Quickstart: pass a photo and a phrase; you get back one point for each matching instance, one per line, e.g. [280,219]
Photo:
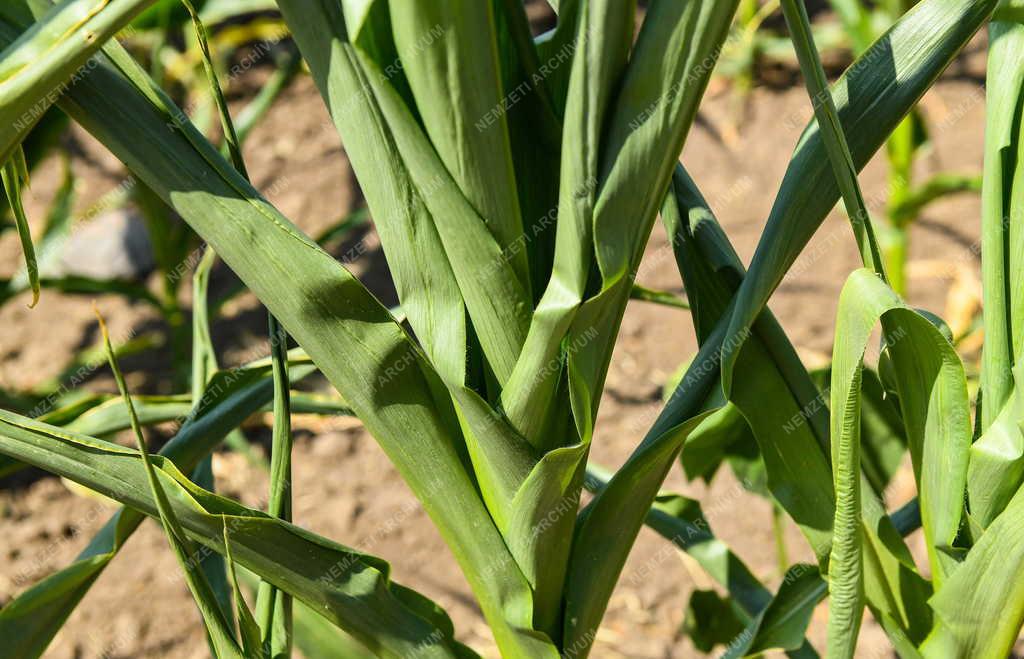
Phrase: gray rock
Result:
[113,245]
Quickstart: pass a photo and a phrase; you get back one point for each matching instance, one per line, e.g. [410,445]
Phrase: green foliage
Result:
[514,184]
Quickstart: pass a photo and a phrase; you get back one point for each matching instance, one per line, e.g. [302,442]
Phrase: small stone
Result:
[114,245]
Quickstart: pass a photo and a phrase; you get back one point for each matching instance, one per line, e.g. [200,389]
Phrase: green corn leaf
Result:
[882,433]
[231,141]
[204,358]
[314,635]
[77,285]
[212,565]
[997,458]
[712,272]
[490,441]
[273,607]
[532,500]
[936,188]
[846,567]
[204,365]
[349,588]
[680,520]
[105,415]
[802,467]
[856,19]
[770,621]
[35,69]
[111,415]
[496,300]
[649,123]
[651,119]
[655,107]
[1009,11]
[495,408]
[639,292]
[535,135]
[556,50]
[618,511]
[727,440]
[517,492]
[101,415]
[543,515]
[272,635]
[846,561]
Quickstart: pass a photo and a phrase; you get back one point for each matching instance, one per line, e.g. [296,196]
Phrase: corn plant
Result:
[514,183]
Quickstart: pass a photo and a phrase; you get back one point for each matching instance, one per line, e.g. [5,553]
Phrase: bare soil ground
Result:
[346,489]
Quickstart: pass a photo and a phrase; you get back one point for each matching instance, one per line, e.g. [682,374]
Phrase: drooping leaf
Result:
[34,70]
[35,616]
[14,175]
[882,433]
[59,220]
[792,431]
[932,391]
[349,588]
